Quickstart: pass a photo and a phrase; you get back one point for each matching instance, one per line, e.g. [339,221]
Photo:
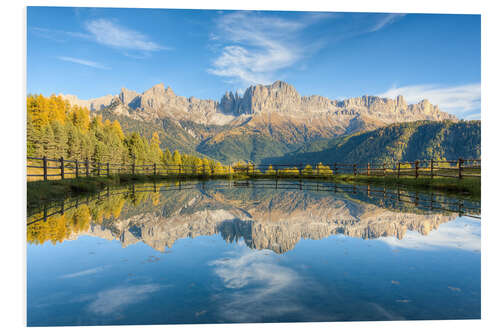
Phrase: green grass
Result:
[41,191]
[469,188]
[466,187]
[45,191]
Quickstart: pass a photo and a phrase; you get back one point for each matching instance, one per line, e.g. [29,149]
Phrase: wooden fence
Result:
[62,168]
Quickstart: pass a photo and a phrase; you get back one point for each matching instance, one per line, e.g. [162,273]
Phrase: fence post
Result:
[62,167]
[98,168]
[416,169]
[154,169]
[460,162]
[107,167]
[354,169]
[335,168]
[44,168]
[133,168]
[399,168]
[87,166]
[179,170]
[432,172]
[368,169]
[76,168]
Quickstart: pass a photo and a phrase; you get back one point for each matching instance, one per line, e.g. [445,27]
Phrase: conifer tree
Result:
[177,162]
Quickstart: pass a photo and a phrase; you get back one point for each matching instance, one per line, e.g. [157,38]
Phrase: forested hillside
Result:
[174,135]
[57,129]
[443,140]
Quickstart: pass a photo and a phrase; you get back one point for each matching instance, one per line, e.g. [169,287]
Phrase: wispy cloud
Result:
[384,20]
[84,272]
[256,46]
[111,34]
[84,62]
[106,32]
[464,234]
[463,100]
[53,35]
[258,287]
[253,47]
[112,300]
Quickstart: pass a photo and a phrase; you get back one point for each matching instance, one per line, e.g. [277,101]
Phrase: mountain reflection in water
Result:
[261,251]
[265,217]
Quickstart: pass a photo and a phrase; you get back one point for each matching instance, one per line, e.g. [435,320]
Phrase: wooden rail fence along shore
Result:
[53,169]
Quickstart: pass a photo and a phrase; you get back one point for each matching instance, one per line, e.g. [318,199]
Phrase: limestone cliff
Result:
[276,222]
[279,97]
[267,121]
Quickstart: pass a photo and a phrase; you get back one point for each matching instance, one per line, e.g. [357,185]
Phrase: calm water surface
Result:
[219,253]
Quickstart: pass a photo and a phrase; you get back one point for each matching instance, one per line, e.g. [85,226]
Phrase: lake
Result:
[248,252]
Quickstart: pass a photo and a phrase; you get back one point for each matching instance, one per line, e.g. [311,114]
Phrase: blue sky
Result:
[91,52]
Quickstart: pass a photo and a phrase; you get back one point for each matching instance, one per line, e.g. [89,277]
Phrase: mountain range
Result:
[267,121]
[263,218]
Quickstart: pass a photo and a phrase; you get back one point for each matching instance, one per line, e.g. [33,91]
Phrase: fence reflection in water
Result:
[382,196]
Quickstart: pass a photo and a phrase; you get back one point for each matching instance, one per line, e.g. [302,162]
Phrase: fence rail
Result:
[62,168]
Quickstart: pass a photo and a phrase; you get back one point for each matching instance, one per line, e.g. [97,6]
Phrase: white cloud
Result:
[463,233]
[84,62]
[105,32]
[111,34]
[84,272]
[257,287]
[253,267]
[53,35]
[115,299]
[252,47]
[257,46]
[384,20]
[462,100]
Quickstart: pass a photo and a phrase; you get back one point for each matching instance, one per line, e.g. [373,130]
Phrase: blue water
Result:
[209,255]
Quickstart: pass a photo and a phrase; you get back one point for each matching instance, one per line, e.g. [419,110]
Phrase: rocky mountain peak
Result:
[228,102]
[169,92]
[279,99]
[401,101]
[127,96]
[281,85]
[157,89]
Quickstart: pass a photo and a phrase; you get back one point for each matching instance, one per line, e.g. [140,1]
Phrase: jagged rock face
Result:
[279,97]
[91,104]
[276,222]
[128,97]
[267,121]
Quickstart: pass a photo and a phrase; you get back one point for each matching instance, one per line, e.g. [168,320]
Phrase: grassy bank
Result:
[44,191]
[465,187]
[468,187]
